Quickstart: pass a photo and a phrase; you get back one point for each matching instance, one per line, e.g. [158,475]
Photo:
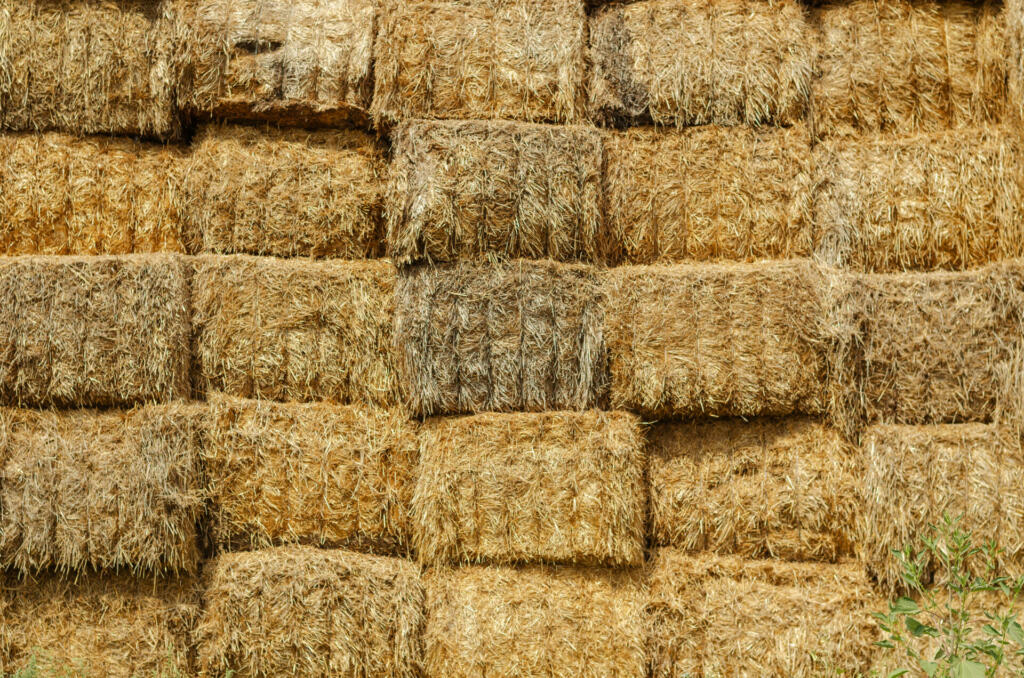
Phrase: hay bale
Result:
[100,490]
[708,193]
[61,194]
[517,336]
[97,625]
[488,59]
[87,67]
[710,615]
[93,331]
[716,339]
[1013,15]
[908,66]
[476,189]
[922,348]
[785,488]
[543,622]
[291,62]
[557,487]
[295,329]
[694,62]
[301,611]
[915,474]
[314,473]
[948,200]
[285,192]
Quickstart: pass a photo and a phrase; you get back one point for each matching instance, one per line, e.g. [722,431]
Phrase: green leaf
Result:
[990,630]
[918,629]
[898,672]
[1016,633]
[904,605]
[885,643]
[929,668]
[965,668]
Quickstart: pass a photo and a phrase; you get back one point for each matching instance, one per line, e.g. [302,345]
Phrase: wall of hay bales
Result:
[499,338]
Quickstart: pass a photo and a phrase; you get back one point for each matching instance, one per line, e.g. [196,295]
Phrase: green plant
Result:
[964,623]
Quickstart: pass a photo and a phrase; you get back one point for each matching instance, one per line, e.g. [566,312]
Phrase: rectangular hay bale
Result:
[312,473]
[94,490]
[479,189]
[700,62]
[947,200]
[302,611]
[519,335]
[285,193]
[908,66]
[699,340]
[87,67]
[708,193]
[555,487]
[782,488]
[480,59]
[711,615]
[93,331]
[915,474]
[97,624]
[291,62]
[292,329]
[539,621]
[62,194]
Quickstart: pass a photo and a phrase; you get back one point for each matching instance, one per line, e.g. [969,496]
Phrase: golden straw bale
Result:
[292,62]
[302,611]
[908,66]
[484,189]
[100,490]
[557,487]
[915,474]
[518,335]
[489,59]
[87,67]
[61,194]
[315,473]
[946,200]
[708,193]
[93,331]
[292,329]
[1009,405]
[700,62]
[710,615]
[922,348]
[285,192]
[785,488]
[716,339]
[539,621]
[1013,15]
[100,624]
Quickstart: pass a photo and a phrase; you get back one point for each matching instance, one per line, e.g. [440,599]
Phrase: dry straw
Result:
[61,194]
[908,66]
[784,488]
[700,62]
[97,625]
[716,339]
[301,611]
[711,615]
[511,59]
[476,189]
[946,200]
[87,66]
[100,490]
[518,335]
[285,192]
[557,487]
[295,329]
[543,622]
[313,473]
[708,193]
[915,474]
[921,348]
[93,331]
[1013,15]
[293,62]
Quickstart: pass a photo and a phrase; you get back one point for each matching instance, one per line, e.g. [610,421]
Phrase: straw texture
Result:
[313,473]
[485,189]
[560,487]
[1013,15]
